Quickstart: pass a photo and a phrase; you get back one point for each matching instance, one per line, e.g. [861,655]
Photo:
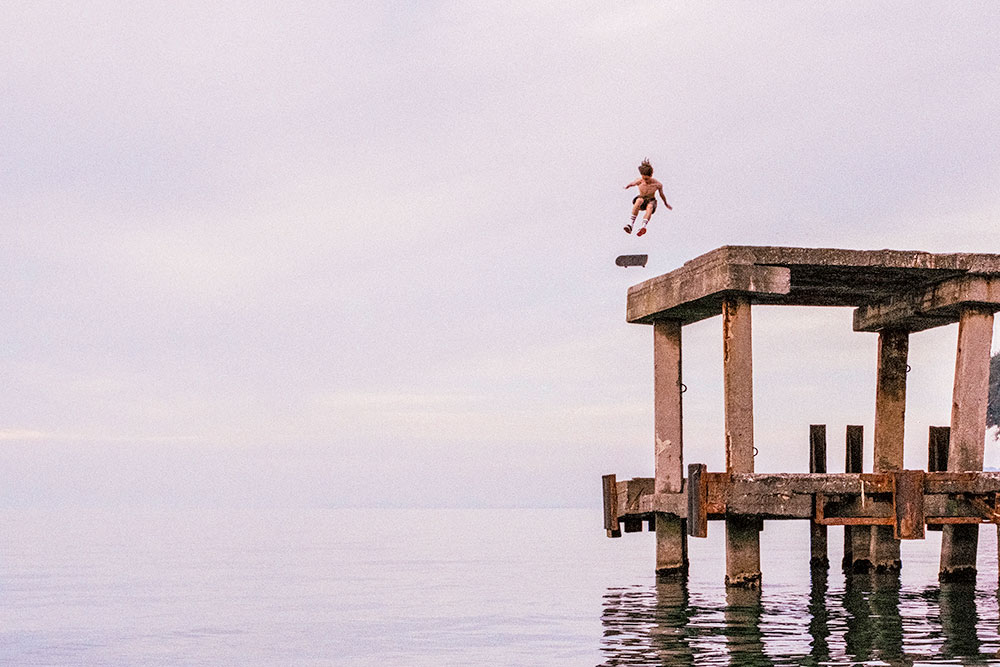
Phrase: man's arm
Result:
[633,184]
[664,198]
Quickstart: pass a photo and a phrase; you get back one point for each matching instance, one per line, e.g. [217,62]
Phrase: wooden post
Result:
[610,488]
[742,532]
[671,533]
[857,539]
[937,455]
[968,433]
[818,557]
[697,500]
[890,410]
[908,504]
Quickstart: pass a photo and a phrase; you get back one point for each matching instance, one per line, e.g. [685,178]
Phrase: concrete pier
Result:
[895,294]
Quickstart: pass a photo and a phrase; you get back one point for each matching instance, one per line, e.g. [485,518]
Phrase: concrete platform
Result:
[909,290]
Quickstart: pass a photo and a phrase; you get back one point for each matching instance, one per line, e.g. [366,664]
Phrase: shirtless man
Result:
[646,200]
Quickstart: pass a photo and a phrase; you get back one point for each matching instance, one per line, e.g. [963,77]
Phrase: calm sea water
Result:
[448,587]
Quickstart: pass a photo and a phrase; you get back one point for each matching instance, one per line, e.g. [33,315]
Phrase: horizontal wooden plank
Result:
[964,497]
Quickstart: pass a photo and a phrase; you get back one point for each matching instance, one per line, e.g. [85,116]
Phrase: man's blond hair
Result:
[645,168]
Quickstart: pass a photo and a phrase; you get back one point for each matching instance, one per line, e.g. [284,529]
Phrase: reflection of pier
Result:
[870,619]
[894,293]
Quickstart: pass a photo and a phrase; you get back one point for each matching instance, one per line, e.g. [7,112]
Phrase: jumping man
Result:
[646,200]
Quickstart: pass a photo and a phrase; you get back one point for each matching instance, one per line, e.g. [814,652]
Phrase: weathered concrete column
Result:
[742,532]
[890,411]
[671,533]
[968,432]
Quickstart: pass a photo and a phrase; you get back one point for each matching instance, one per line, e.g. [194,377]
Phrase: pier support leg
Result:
[671,533]
[818,556]
[742,532]
[890,411]
[857,539]
[968,433]
[937,456]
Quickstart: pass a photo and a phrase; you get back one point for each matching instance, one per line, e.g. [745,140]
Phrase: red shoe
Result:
[641,232]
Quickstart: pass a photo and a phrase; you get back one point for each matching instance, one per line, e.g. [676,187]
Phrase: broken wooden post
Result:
[908,504]
[890,409]
[857,539]
[742,532]
[818,556]
[611,505]
[697,500]
[937,455]
[671,536]
[968,432]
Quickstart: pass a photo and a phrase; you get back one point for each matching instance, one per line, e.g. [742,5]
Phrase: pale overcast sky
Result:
[356,254]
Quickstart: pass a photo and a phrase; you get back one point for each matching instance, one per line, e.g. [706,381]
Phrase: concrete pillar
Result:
[671,533]
[968,433]
[890,410]
[742,532]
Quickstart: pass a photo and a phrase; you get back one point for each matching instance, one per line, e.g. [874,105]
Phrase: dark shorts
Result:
[646,201]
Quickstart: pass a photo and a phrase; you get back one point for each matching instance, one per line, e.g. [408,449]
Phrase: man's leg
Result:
[635,211]
[650,207]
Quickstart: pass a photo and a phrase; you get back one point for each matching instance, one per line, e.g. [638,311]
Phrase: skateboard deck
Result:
[631,260]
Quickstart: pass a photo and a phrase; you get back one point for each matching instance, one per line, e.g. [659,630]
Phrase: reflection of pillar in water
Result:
[886,619]
[819,616]
[957,603]
[859,636]
[743,635]
[671,633]
[640,621]
[874,624]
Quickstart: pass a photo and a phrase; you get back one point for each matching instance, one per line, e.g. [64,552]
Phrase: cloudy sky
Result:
[361,254]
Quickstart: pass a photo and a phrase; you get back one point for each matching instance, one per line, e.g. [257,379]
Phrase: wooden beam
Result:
[611,506]
[840,499]
[938,438]
[968,432]
[932,306]
[937,455]
[818,553]
[908,504]
[857,540]
[697,500]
